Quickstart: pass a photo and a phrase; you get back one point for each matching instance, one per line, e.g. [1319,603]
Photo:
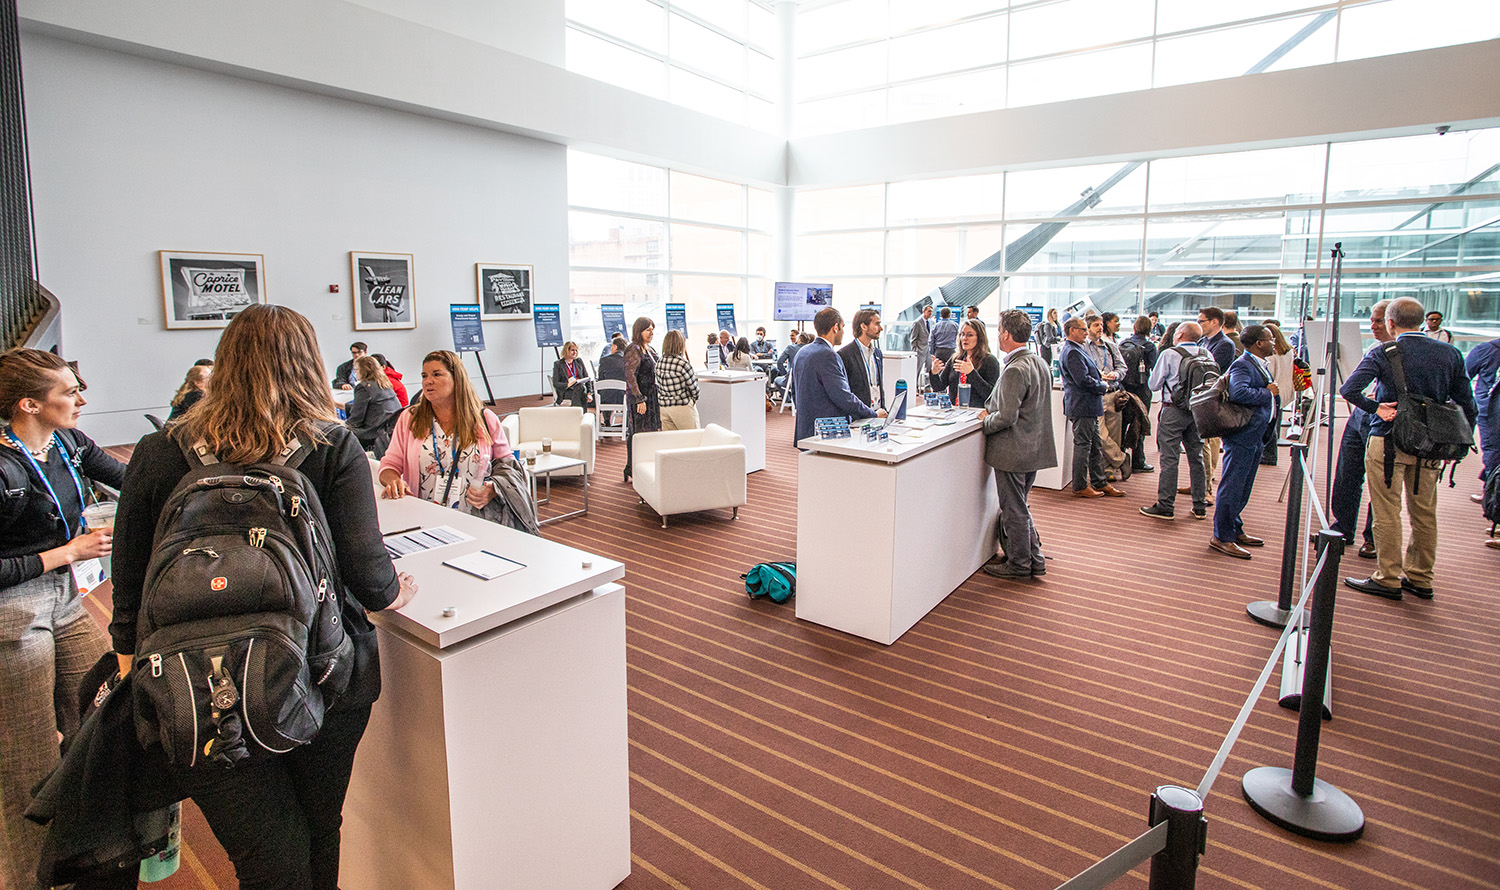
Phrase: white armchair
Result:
[570,429]
[683,471]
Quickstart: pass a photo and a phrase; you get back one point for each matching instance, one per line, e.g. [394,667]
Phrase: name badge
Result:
[87,574]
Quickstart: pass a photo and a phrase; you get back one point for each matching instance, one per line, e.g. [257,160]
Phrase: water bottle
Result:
[163,865]
[901,391]
[963,390]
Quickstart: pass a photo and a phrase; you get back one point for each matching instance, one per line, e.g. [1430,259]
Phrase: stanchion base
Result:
[1268,613]
[1328,814]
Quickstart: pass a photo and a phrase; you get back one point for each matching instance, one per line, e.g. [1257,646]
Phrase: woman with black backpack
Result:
[276,814]
[47,641]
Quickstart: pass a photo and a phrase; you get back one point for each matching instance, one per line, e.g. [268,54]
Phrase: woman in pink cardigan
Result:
[443,445]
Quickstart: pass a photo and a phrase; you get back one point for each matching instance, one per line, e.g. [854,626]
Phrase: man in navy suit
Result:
[1433,369]
[819,386]
[1249,384]
[862,359]
[1083,404]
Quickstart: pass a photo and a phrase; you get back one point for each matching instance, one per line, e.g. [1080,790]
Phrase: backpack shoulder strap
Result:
[1393,355]
[198,454]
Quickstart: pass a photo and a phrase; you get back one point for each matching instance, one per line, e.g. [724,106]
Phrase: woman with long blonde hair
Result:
[277,815]
[443,446]
[194,385]
[373,407]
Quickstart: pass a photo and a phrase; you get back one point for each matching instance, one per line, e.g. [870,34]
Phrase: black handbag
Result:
[1215,415]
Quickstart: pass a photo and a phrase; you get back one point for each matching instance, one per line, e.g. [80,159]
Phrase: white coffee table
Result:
[547,463]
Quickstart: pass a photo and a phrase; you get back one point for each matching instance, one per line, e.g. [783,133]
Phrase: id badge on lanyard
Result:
[87,573]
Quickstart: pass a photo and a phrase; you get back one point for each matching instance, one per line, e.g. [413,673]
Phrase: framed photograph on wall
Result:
[206,290]
[505,291]
[383,291]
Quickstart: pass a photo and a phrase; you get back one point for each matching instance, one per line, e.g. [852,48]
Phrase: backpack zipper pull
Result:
[156,665]
[257,537]
[209,550]
[296,504]
[322,589]
[276,483]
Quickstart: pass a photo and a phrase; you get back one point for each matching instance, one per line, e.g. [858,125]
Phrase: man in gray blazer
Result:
[920,339]
[1018,443]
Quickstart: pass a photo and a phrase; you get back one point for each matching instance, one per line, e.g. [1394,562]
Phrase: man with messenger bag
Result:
[1424,414]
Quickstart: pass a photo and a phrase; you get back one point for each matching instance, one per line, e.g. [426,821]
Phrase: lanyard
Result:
[572,372]
[77,483]
[437,455]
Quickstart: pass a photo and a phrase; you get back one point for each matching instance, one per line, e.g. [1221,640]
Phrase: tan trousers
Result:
[679,417]
[1417,485]
[1211,462]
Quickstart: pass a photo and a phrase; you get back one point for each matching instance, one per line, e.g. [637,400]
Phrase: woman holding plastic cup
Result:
[47,641]
[972,365]
[443,445]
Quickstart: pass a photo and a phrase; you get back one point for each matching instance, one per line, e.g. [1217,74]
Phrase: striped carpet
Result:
[1013,737]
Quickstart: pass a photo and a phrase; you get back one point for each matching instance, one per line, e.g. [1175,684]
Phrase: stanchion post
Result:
[1296,799]
[1315,674]
[1176,866]
[1275,614]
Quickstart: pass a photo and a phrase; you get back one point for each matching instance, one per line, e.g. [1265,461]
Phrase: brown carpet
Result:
[1013,736]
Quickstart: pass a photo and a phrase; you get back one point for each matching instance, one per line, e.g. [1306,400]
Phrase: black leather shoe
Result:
[1373,587]
[1004,570]
[1423,592]
[1367,550]
[1038,569]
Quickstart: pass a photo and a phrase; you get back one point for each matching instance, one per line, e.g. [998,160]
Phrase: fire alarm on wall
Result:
[333,288]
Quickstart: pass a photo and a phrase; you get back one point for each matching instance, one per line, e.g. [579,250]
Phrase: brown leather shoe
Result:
[1111,491]
[1185,490]
[1228,548]
[1367,550]
[1088,492]
[1249,541]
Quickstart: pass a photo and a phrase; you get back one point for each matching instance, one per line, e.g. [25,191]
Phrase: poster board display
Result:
[383,290]
[505,290]
[468,330]
[725,313]
[796,301]
[614,320]
[206,290]
[677,317]
[546,318]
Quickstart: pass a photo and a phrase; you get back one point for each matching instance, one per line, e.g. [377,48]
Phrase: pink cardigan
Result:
[405,448]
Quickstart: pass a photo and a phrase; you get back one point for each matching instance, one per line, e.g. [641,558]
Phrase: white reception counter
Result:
[496,756]
[736,401]
[868,562]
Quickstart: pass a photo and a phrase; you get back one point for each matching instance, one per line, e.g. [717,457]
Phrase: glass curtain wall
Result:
[715,56]
[645,236]
[863,63]
[1251,231]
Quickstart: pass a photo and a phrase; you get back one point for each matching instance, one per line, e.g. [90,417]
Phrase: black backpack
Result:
[1197,372]
[1135,359]
[239,638]
[1426,428]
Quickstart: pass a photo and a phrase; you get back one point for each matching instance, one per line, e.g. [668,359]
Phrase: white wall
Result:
[130,156]
[532,28]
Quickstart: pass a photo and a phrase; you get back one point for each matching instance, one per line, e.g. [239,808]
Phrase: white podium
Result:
[497,755]
[736,400]
[1060,476]
[868,562]
[897,366]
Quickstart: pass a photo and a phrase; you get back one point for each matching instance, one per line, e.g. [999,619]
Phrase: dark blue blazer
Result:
[1248,385]
[1083,387]
[854,371]
[1433,368]
[821,389]
[1221,348]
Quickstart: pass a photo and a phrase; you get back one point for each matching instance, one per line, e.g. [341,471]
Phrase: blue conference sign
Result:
[614,320]
[1034,311]
[468,333]
[547,319]
[677,317]
[726,318]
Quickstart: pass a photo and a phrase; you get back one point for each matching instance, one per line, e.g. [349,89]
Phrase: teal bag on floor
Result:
[776,581]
